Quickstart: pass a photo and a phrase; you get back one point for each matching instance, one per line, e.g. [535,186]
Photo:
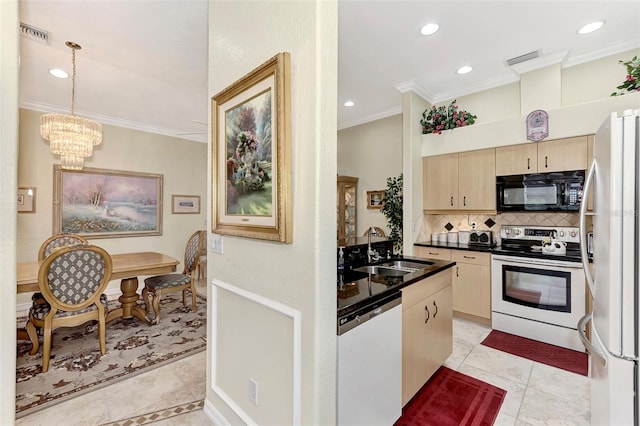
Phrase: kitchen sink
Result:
[382,270]
[407,265]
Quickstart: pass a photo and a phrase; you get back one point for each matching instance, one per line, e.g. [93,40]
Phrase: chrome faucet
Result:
[372,255]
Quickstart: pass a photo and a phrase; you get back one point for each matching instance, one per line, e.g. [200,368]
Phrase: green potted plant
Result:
[439,118]
[392,210]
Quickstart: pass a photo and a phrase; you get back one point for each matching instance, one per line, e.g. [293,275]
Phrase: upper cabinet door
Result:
[517,159]
[562,155]
[440,182]
[477,180]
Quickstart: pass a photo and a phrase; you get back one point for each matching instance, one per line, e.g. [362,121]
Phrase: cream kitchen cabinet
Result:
[462,181]
[427,330]
[472,284]
[432,252]
[542,157]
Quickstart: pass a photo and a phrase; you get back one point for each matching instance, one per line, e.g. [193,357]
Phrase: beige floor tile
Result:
[469,331]
[543,408]
[461,349]
[195,418]
[573,387]
[87,409]
[500,363]
[504,420]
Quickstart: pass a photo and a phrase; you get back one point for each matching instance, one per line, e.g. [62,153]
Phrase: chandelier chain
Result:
[73,80]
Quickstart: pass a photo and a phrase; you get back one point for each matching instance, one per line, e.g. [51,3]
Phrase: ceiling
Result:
[143,64]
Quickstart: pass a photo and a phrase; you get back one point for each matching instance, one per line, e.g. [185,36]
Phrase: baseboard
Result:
[212,413]
[474,318]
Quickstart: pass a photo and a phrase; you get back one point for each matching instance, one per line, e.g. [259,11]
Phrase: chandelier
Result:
[70,136]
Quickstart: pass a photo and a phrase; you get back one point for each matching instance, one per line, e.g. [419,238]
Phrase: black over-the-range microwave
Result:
[559,191]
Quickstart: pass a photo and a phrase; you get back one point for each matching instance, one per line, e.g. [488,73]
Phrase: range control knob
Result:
[574,233]
[517,231]
[562,233]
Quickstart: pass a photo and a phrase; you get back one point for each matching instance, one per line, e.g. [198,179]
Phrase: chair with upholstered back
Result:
[378,232]
[58,240]
[72,281]
[156,286]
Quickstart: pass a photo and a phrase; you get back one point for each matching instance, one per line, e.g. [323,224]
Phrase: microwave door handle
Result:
[583,227]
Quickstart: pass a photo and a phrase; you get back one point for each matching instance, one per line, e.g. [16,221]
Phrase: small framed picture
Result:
[375,199]
[26,199]
[185,204]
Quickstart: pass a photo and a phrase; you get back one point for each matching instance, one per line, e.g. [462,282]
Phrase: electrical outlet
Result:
[253,391]
[216,243]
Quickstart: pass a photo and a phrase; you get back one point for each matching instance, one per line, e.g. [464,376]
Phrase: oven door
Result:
[543,290]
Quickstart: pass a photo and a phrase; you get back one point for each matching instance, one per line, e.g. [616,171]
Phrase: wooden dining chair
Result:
[72,282]
[56,241]
[156,286]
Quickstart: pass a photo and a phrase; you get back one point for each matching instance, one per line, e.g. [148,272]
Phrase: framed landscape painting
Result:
[97,203]
[251,193]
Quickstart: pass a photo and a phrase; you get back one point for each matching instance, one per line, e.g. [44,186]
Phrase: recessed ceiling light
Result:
[465,69]
[591,27]
[349,103]
[57,72]
[429,29]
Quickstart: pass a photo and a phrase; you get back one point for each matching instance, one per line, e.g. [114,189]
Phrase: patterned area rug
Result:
[133,347]
[451,398]
[544,353]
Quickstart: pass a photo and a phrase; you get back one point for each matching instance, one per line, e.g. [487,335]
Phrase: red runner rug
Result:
[555,356]
[451,398]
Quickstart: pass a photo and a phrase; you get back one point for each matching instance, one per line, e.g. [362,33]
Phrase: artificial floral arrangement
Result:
[632,81]
[436,119]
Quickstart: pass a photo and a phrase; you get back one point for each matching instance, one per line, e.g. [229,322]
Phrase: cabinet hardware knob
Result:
[436,306]
[426,308]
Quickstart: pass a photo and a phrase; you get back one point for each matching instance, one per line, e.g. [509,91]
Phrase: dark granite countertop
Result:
[457,246]
[359,289]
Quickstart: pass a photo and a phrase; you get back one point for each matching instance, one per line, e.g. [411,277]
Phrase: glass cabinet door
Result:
[347,193]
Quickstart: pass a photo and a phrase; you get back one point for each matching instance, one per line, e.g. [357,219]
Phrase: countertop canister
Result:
[452,237]
[463,237]
[442,237]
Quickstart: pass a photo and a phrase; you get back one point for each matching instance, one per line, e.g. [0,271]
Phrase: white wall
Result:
[182,163]
[280,286]
[371,152]
[9,35]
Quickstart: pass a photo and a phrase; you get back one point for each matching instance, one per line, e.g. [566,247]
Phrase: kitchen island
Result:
[396,312]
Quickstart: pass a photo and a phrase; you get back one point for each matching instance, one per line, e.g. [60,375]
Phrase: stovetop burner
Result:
[527,241]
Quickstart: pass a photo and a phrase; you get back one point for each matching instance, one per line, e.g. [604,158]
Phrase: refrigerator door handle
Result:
[583,231]
[591,348]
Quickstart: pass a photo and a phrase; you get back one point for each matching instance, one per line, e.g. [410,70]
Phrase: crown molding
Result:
[598,54]
[372,117]
[414,86]
[112,121]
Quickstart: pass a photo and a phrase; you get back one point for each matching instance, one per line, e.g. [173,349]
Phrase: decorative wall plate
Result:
[537,125]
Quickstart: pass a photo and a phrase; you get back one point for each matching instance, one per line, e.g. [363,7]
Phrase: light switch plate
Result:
[216,243]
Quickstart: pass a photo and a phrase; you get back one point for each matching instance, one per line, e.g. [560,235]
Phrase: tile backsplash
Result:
[438,222]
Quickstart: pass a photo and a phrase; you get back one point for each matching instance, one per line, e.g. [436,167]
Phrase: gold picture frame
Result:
[101,203]
[375,199]
[185,204]
[26,199]
[251,158]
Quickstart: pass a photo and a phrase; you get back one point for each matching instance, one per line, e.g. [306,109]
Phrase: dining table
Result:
[126,267]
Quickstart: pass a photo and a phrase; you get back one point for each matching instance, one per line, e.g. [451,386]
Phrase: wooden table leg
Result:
[128,302]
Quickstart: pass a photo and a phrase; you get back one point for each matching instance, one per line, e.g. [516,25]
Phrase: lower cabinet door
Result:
[427,340]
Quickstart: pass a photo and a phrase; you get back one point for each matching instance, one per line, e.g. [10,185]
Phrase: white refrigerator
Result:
[614,178]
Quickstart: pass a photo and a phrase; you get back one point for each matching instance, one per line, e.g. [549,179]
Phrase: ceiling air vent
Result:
[34,33]
[523,58]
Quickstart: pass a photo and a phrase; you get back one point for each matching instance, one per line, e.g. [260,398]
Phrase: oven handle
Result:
[536,261]
[590,347]
[583,226]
